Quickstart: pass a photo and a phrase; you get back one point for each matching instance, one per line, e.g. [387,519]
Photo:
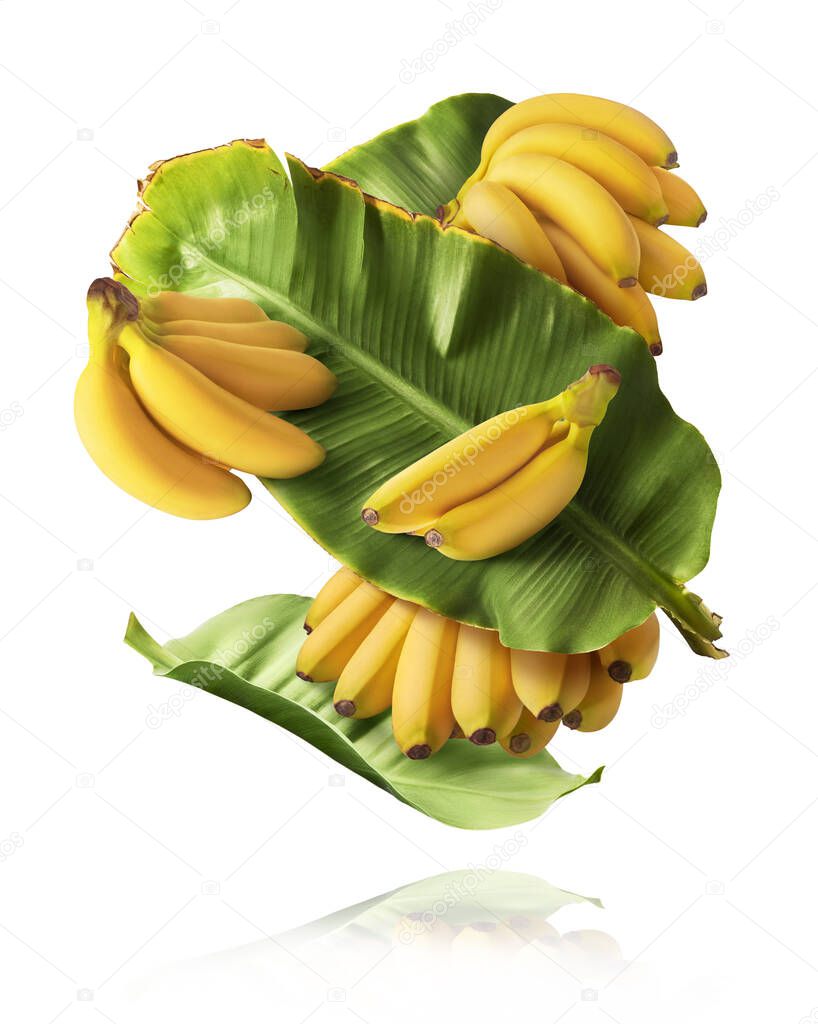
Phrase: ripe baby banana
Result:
[617,168]
[422,718]
[327,649]
[484,703]
[683,203]
[628,307]
[118,435]
[528,500]
[495,212]
[364,687]
[529,736]
[599,705]
[666,268]
[549,685]
[580,205]
[210,420]
[339,586]
[263,333]
[184,306]
[633,655]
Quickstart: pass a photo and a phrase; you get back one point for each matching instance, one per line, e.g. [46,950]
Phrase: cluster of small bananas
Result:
[176,393]
[578,186]
[445,680]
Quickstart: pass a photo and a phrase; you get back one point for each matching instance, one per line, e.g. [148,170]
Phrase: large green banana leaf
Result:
[429,332]
[247,655]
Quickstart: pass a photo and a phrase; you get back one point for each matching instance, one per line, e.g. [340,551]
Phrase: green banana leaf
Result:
[247,655]
[430,332]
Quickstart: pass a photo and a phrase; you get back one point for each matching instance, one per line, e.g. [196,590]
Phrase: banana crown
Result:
[586,400]
[110,307]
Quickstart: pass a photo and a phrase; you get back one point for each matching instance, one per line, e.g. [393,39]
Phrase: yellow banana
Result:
[121,439]
[628,307]
[206,418]
[337,587]
[484,703]
[549,685]
[617,168]
[683,203]
[327,649]
[184,306]
[620,122]
[633,655]
[494,212]
[599,705]
[365,685]
[580,205]
[666,268]
[262,333]
[422,718]
[269,378]
[461,469]
[529,736]
[531,498]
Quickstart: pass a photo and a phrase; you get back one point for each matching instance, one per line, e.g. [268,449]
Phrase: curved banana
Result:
[269,378]
[617,168]
[529,736]
[633,655]
[494,212]
[461,468]
[184,306]
[365,685]
[683,203]
[338,586]
[484,703]
[549,685]
[327,649]
[666,268]
[206,418]
[617,120]
[628,307]
[262,333]
[121,439]
[422,718]
[580,205]
[599,705]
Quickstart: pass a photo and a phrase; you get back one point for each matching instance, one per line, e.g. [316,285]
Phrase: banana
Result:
[268,378]
[666,268]
[461,469]
[633,655]
[206,418]
[121,439]
[683,203]
[494,212]
[549,685]
[262,333]
[620,122]
[531,498]
[599,705]
[327,649]
[618,169]
[628,307]
[422,718]
[529,736]
[183,306]
[580,205]
[365,685]
[484,703]
[337,587]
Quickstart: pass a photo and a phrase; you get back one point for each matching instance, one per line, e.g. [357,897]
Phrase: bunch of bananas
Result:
[499,483]
[176,393]
[578,187]
[444,679]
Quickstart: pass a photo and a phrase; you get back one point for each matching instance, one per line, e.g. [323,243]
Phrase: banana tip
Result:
[573,719]
[520,743]
[345,708]
[627,282]
[603,369]
[699,291]
[419,752]
[307,628]
[483,737]
[304,676]
[620,671]
[370,516]
[656,348]
[662,220]
[701,219]
[550,713]
[672,160]
[434,538]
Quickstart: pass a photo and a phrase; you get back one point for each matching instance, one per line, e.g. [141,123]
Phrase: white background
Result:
[131,852]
